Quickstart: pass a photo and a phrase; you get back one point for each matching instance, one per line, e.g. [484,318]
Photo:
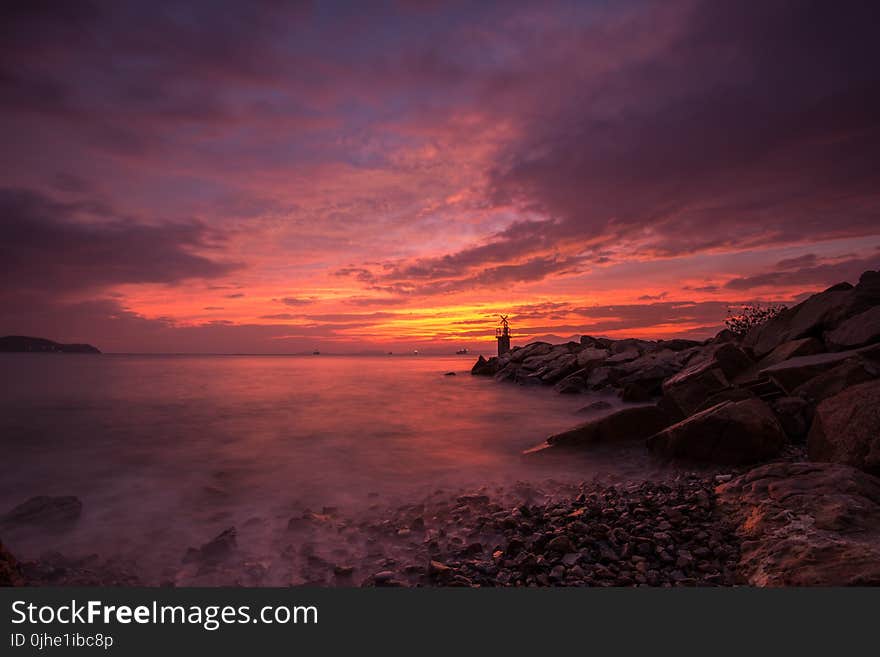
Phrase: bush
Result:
[748,317]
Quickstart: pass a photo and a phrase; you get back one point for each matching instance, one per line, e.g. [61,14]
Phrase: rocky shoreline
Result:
[808,379]
[653,533]
[783,422]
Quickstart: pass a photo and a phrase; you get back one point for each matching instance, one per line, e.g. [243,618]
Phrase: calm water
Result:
[164,451]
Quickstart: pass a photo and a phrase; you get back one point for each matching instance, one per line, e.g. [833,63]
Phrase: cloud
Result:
[54,247]
[280,316]
[297,301]
[463,154]
[737,126]
[821,273]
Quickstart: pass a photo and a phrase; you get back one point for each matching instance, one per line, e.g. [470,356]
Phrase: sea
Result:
[165,451]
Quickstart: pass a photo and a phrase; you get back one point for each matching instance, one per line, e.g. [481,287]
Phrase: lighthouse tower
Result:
[502,334]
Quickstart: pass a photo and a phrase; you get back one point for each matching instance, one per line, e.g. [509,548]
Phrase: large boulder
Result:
[600,377]
[507,372]
[692,386]
[598,343]
[794,372]
[731,359]
[591,357]
[559,368]
[531,349]
[536,362]
[850,372]
[624,356]
[628,424]
[678,344]
[732,432]
[856,331]
[846,428]
[650,370]
[43,512]
[792,349]
[485,367]
[806,524]
[809,318]
[818,315]
[574,383]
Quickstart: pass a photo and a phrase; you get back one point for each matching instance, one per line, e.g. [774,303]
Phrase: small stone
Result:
[438,568]
[560,544]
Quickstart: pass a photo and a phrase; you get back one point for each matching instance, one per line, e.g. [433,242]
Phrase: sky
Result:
[278,177]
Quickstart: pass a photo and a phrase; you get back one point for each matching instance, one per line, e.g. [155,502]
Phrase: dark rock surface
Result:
[732,432]
[628,424]
[846,428]
[806,524]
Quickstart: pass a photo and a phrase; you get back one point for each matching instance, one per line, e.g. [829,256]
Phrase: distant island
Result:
[24,344]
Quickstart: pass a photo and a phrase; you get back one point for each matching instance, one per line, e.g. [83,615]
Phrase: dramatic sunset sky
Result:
[278,177]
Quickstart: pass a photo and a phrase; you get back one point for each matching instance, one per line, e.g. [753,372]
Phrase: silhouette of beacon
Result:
[502,334]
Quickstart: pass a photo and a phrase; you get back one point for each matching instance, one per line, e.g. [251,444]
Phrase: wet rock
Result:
[449,374]
[43,512]
[846,428]
[591,356]
[624,356]
[729,433]
[599,378]
[559,368]
[573,384]
[806,524]
[688,389]
[485,367]
[628,424]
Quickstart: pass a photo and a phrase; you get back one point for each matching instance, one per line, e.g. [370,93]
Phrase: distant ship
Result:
[462,352]
[316,353]
[415,352]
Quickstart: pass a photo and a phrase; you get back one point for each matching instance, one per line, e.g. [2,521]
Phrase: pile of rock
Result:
[649,534]
[808,375]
